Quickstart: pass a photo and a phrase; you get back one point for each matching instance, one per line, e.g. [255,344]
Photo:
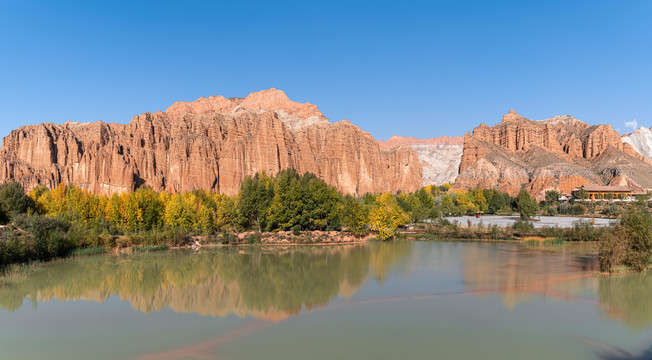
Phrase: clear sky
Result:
[409,68]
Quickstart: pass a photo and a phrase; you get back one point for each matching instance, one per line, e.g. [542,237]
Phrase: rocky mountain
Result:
[560,153]
[440,157]
[641,141]
[211,143]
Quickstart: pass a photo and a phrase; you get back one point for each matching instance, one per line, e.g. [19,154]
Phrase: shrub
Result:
[637,228]
[564,208]
[253,238]
[83,236]
[611,210]
[523,227]
[578,209]
[611,250]
[50,238]
[494,231]
[15,249]
[444,222]
[13,201]
[550,232]
[551,210]
[629,243]
[583,231]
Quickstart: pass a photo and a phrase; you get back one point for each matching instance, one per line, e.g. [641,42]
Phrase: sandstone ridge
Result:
[559,153]
[211,143]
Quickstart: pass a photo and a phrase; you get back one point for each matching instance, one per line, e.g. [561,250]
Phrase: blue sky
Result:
[409,68]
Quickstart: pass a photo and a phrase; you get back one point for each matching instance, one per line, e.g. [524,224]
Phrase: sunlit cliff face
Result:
[560,153]
[212,144]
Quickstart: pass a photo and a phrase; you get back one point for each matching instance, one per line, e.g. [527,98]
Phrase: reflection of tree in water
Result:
[629,297]
[264,282]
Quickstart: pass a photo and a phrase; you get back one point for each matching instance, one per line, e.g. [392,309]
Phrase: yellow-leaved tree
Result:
[386,216]
[480,200]
[53,201]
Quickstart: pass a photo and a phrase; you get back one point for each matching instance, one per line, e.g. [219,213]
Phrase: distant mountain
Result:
[641,141]
[440,157]
[560,153]
[211,143]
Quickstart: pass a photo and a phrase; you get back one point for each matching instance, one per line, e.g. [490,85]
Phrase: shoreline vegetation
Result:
[289,208]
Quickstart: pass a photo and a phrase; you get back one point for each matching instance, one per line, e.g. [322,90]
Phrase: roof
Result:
[605,188]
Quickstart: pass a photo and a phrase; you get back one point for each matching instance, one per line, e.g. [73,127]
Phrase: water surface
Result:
[416,300]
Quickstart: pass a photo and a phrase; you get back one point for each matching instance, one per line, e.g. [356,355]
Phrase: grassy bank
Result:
[35,239]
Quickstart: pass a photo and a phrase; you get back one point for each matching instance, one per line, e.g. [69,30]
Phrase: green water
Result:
[410,300]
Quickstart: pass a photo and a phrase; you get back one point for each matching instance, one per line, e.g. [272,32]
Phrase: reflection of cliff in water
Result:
[518,273]
[263,282]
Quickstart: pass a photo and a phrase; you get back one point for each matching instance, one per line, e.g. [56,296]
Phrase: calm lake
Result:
[402,300]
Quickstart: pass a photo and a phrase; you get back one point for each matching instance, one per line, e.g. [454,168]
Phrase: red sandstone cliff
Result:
[560,153]
[211,143]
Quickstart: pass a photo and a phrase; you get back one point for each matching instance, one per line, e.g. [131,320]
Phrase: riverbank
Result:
[242,238]
[445,229]
[42,238]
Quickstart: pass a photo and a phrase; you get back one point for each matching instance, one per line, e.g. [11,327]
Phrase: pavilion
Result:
[594,192]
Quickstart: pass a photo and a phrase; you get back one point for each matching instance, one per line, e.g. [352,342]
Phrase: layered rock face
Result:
[211,143]
[560,153]
[641,141]
[440,157]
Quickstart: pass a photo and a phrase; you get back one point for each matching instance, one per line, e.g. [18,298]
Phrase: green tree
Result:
[581,194]
[14,201]
[225,218]
[355,216]
[151,207]
[526,205]
[323,204]
[287,206]
[552,196]
[255,196]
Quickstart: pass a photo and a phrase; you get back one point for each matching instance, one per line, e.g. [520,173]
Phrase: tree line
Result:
[47,223]
[281,202]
